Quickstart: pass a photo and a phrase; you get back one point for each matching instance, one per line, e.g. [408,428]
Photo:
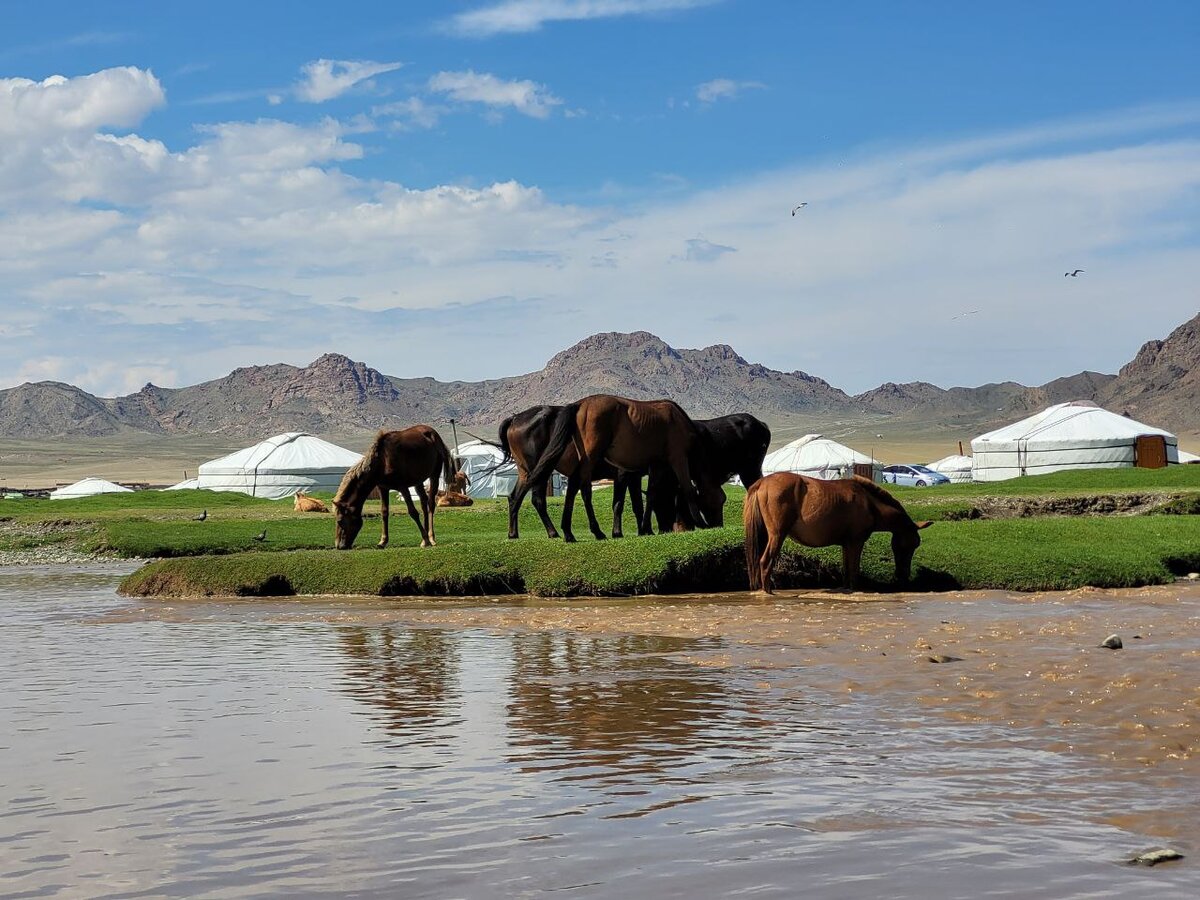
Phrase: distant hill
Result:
[336,395]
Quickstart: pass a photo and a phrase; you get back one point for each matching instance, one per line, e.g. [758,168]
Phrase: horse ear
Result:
[921,525]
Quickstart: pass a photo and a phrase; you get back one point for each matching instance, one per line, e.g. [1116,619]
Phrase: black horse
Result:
[522,439]
[725,446]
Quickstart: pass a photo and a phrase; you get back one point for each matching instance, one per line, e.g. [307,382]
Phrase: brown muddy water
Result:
[698,747]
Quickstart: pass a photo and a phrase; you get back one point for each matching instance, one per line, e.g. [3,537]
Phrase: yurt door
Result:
[866,470]
[1150,452]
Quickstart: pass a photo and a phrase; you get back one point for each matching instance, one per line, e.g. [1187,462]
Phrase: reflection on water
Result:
[643,749]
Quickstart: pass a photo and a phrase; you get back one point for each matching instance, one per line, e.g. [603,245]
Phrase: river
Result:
[669,747]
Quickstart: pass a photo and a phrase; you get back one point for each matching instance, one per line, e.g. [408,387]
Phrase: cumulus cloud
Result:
[724,89]
[516,16]
[243,245]
[526,97]
[114,98]
[325,79]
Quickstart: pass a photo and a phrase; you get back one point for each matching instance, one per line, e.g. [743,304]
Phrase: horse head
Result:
[905,542]
[348,523]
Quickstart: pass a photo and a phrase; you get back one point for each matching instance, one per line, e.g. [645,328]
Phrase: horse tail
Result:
[445,464]
[504,448]
[756,536]
[560,435]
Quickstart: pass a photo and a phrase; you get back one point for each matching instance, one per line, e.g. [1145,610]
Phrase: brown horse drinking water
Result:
[820,513]
[397,460]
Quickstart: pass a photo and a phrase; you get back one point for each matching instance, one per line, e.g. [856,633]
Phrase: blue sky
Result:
[234,184]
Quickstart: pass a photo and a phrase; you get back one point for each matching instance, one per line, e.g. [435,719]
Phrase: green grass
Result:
[474,556]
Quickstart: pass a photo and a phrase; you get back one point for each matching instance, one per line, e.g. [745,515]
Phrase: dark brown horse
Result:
[727,445]
[397,460]
[522,439]
[820,513]
[630,435]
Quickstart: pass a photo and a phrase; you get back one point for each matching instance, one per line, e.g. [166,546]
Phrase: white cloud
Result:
[724,89]
[516,16]
[526,97]
[325,79]
[115,98]
[410,114]
[242,247]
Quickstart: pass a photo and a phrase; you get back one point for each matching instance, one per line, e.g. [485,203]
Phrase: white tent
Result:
[488,474]
[1077,435]
[280,466]
[955,467]
[818,457]
[190,485]
[1185,457]
[89,487]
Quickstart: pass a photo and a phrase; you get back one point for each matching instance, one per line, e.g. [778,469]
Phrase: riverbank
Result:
[1118,528]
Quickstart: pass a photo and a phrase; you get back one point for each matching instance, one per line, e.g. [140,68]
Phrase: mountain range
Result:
[336,395]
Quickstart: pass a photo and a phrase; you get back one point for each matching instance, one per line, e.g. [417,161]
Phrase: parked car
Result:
[920,476]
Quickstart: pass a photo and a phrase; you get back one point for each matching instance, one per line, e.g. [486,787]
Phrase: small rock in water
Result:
[1193,576]
[1112,642]
[1154,857]
[940,658]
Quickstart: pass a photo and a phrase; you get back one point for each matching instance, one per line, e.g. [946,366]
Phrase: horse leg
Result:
[538,498]
[427,503]
[384,498]
[412,512]
[585,490]
[851,558]
[568,506]
[635,500]
[679,465]
[770,556]
[514,504]
[618,503]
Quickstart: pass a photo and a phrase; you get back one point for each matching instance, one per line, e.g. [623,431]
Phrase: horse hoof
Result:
[601,537]
[569,539]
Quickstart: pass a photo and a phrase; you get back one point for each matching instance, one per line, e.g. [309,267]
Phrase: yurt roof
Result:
[290,452]
[1067,422]
[88,487]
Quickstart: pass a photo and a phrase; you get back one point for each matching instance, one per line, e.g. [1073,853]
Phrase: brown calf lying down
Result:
[453,498]
[303,503]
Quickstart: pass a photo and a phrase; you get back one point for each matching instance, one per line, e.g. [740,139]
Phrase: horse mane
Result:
[363,467]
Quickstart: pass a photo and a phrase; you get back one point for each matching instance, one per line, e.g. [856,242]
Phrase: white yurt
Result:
[819,457]
[955,467]
[279,466]
[88,487]
[190,484]
[1076,435]
[487,472]
[1185,457]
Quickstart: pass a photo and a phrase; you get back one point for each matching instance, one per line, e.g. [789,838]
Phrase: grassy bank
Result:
[965,549]
[1015,554]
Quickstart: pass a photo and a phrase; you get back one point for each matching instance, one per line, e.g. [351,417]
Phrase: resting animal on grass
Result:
[454,498]
[820,513]
[304,503]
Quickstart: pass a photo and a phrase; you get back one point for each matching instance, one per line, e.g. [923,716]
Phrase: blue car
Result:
[918,476]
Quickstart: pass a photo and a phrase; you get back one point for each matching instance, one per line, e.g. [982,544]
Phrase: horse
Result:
[522,438]
[820,513]
[630,435]
[728,445]
[458,484]
[396,460]
[301,502]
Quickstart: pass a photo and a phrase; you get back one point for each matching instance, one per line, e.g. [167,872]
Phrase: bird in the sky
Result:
[201,517]
[801,206]
[1074,274]
[261,536]
[968,313]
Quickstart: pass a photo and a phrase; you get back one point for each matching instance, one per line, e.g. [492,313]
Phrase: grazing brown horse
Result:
[820,513]
[397,460]
[301,502]
[631,436]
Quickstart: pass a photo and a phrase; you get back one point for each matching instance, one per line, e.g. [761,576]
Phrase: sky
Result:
[462,189]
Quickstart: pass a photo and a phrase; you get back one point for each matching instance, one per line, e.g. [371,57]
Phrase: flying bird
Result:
[1074,274]
[261,536]
[801,206]
[961,315]
[201,517]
